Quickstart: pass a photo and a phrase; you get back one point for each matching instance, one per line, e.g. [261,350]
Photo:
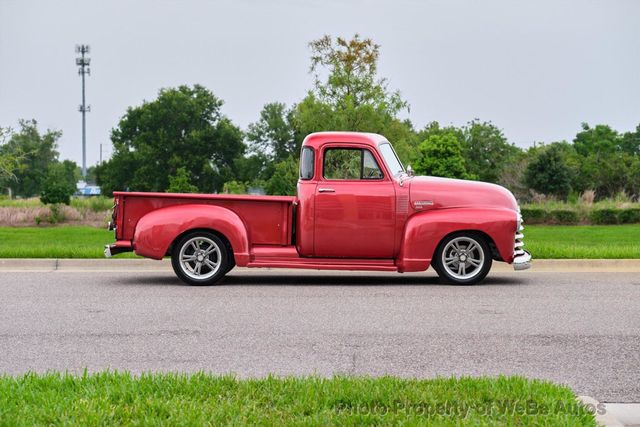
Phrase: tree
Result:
[441,155]
[633,183]
[8,161]
[31,154]
[512,176]
[486,151]
[234,187]
[600,140]
[548,172]
[254,167]
[274,135]
[180,182]
[606,160]
[284,179]
[349,95]
[91,174]
[631,142]
[607,174]
[351,81]
[183,127]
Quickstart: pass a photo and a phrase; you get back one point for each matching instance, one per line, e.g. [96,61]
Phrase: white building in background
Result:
[84,189]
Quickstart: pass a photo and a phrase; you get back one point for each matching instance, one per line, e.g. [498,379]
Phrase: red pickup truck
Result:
[356,208]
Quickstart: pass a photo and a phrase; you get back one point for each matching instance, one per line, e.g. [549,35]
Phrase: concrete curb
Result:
[70,265]
[627,414]
[577,265]
[127,264]
[603,416]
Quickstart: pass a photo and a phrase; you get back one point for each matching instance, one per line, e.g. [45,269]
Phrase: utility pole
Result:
[83,68]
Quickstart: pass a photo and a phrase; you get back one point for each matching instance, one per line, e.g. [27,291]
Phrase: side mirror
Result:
[410,171]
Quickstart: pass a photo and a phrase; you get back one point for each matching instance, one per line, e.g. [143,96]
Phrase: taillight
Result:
[114,216]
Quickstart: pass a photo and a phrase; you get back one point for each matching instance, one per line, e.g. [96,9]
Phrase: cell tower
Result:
[83,69]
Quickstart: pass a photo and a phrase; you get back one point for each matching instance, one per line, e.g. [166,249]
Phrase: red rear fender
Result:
[158,229]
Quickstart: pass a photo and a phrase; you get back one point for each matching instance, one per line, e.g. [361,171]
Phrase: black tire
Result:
[213,265]
[232,262]
[480,253]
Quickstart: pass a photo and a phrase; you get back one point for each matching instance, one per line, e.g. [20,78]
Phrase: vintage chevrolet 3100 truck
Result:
[356,208]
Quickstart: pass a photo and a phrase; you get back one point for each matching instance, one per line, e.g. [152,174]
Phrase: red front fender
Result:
[424,231]
[158,229]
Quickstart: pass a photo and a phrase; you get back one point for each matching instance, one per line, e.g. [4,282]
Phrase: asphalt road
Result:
[582,330]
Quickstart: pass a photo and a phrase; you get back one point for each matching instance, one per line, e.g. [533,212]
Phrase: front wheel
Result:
[462,259]
[200,258]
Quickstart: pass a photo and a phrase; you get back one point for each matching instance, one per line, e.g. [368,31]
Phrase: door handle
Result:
[326,190]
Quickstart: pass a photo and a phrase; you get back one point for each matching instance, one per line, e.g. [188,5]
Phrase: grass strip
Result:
[112,398]
[544,241]
[583,241]
[55,242]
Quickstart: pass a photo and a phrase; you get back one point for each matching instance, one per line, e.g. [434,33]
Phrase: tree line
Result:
[30,164]
[181,141]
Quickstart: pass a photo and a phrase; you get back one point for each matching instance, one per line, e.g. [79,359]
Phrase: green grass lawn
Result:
[583,241]
[544,241]
[55,242]
[200,399]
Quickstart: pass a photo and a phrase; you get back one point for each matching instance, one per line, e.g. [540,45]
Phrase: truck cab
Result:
[347,198]
[356,208]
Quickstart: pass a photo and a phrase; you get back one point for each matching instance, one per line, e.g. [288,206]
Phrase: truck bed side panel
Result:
[267,218]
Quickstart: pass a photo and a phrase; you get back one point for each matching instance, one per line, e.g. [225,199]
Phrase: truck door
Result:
[354,205]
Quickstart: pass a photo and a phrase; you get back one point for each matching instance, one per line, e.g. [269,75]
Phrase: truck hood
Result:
[428,192]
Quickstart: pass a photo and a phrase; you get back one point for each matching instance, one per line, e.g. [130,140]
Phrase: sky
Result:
[536,69]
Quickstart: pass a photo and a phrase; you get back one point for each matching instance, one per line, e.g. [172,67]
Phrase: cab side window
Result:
[350,164]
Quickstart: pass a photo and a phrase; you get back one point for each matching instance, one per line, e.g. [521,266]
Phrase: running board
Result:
[287,257]
[321,264]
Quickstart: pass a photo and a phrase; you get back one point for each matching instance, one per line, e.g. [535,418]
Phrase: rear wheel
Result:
[462,259]
[200,258]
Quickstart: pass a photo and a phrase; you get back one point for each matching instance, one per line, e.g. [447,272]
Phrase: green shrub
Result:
[629,216]
[58,186]
[534,215]
[604,216]
[564,216]
[54,193]
[56,214]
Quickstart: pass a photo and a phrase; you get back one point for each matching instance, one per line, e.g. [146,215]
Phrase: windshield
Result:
[391,159]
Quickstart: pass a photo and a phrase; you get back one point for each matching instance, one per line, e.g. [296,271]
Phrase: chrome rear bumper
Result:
[118,247]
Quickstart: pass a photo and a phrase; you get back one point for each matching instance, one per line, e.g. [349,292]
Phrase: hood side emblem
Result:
[419,204]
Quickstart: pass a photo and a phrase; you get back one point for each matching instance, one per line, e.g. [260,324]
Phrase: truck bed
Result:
[268,219]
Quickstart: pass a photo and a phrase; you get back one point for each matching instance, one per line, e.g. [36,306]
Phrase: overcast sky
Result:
[537,69]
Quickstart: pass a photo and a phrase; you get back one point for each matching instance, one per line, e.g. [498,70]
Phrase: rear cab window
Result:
[307,163]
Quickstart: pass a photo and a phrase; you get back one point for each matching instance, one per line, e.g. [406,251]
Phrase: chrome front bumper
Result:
[522,261]
[521,258]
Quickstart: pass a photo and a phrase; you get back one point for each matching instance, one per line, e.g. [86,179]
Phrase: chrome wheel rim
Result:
[200,258]
[463,258]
